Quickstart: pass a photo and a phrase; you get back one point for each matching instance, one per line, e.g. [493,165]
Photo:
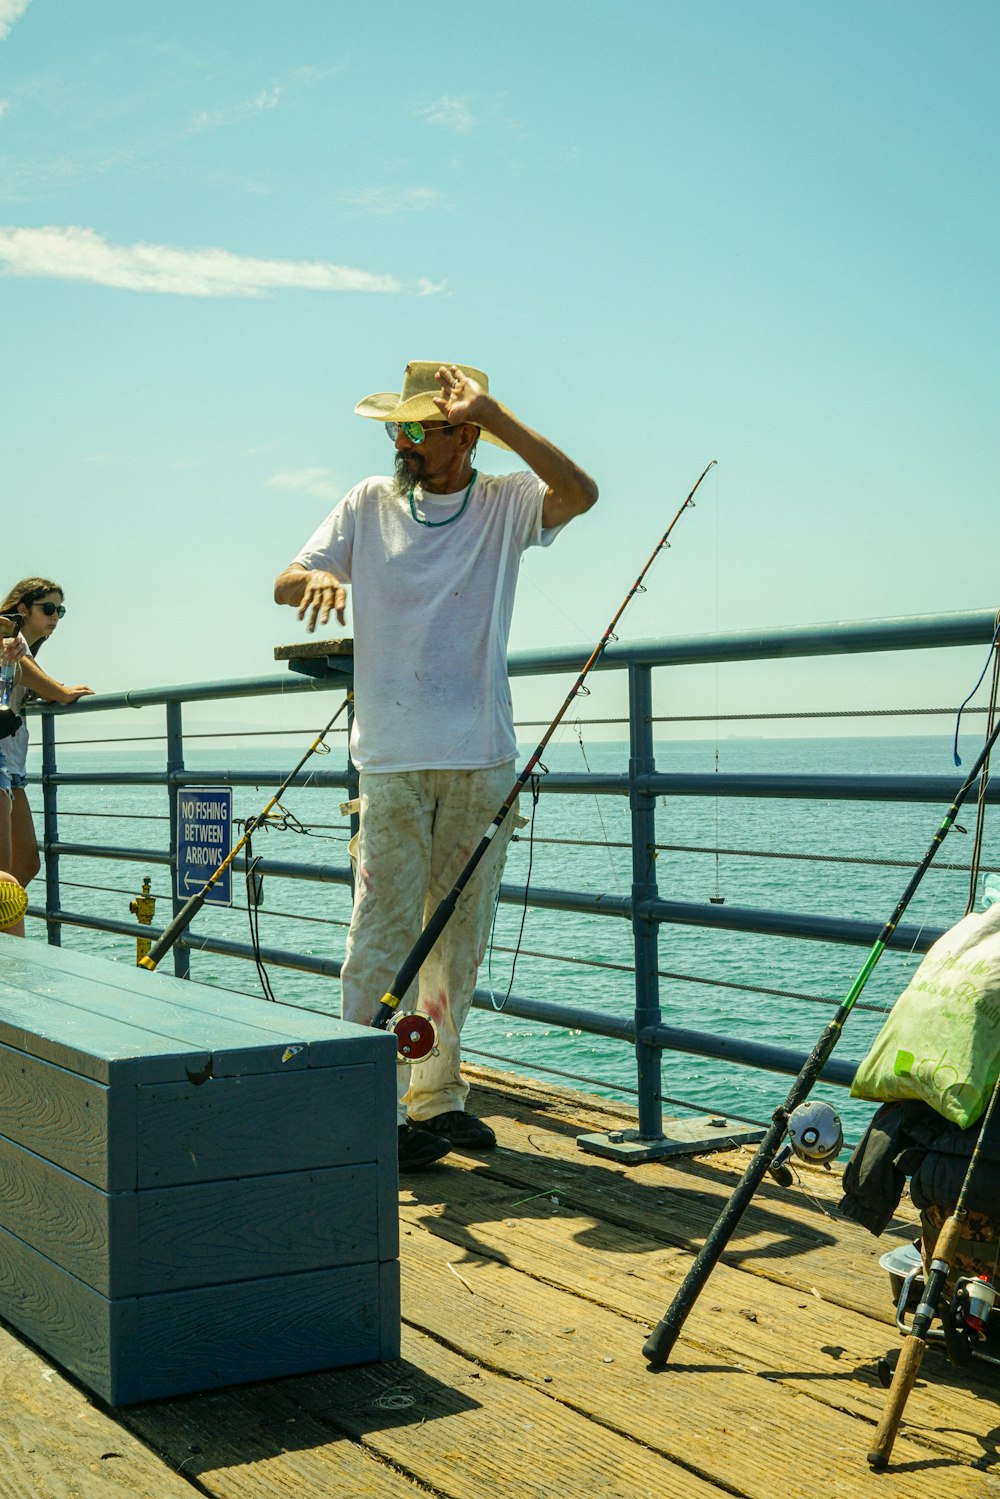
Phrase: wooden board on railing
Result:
[326,660]
[309,650]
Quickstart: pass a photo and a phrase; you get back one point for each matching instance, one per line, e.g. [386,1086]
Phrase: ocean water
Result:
[712,981]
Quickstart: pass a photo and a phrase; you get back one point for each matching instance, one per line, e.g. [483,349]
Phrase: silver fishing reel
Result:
[815,1132]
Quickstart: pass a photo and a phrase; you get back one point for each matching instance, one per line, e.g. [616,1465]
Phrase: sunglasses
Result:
[48,608]
[416,431]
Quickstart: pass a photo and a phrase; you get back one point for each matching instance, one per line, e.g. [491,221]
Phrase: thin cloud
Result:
[70,253]
[448,113]
[212,119]
[4,106]
[11,11]
[317,481]
[383,200]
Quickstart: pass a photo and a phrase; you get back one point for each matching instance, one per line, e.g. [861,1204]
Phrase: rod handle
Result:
[386,1012]
[170,934]
[660,1343]
[903,1380]
[948,1243]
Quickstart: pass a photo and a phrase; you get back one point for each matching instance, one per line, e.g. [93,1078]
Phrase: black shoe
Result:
[419,1148]
[462,1130]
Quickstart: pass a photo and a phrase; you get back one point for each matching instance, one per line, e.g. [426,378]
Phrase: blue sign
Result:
[204,840]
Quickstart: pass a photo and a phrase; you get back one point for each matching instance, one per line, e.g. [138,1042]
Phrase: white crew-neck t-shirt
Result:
[432,606]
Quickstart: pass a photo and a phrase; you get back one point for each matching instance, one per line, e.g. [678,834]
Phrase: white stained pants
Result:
[418,830]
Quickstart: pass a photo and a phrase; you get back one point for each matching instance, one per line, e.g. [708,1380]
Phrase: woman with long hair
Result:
[38,604]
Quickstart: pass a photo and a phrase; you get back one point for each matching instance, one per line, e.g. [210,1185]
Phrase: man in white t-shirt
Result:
[433,555]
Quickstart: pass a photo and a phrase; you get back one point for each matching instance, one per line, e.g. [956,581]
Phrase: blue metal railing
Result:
[641,784]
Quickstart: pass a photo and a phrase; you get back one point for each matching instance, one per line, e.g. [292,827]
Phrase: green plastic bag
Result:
[941,1042]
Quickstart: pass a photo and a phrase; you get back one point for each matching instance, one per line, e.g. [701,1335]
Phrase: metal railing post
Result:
[175,764]
[683,1137]
[353,783]
[642,807]
[50,828]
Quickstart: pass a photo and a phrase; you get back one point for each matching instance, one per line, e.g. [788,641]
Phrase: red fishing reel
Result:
[416,1037]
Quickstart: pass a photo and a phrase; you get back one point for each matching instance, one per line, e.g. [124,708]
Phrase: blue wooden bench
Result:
[196,1189]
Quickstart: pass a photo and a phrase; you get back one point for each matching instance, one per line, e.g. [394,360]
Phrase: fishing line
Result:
[526,577]
[535,790]
[718,899]
[536,786]
[254,889]
[976,856]
[287,822]
[597,803]
[254,884]
[165,941]
[967,701]
[421,1036]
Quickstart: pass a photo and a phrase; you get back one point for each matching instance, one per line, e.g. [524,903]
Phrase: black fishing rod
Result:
[664,1335]
[190,909]
[915,1346]
[419,1029]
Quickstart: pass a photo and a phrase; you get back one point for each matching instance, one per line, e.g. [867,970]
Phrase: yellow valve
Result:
[142,909]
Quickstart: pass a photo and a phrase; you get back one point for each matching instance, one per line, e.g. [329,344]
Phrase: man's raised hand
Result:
[461,398]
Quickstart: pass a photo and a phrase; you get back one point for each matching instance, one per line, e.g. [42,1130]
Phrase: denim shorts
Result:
[10,780]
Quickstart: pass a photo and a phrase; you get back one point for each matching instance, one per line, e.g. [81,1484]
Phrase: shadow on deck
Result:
[530,1279]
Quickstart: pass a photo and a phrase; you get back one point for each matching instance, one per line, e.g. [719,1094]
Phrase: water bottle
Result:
[991,891]
[8,676]
[9,626]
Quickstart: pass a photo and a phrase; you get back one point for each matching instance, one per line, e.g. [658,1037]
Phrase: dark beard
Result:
[408,474]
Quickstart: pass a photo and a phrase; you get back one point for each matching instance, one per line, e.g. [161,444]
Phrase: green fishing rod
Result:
[661,1340]
[415,1032]
[190,908]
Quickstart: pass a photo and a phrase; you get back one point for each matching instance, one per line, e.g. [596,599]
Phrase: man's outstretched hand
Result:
[322,596]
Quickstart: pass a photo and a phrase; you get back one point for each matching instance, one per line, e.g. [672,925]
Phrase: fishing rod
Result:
[915,1346]
[190,909]
[664,1335]
[418,1029]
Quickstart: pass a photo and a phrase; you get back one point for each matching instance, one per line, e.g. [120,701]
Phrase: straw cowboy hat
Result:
[415,402]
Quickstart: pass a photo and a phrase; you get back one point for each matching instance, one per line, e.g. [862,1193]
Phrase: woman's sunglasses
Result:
[416,431]
[48,608]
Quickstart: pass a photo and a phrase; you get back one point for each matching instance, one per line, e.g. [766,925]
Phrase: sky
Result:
[669,230]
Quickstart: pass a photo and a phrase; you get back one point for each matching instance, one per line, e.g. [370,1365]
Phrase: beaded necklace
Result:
[432,523]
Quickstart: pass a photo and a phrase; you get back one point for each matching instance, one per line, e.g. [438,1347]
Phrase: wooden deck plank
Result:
[256,1442]
[55,1444]
[462,1431]
[582,1355]
[504,1437]
[825,1352]
[782,1236]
